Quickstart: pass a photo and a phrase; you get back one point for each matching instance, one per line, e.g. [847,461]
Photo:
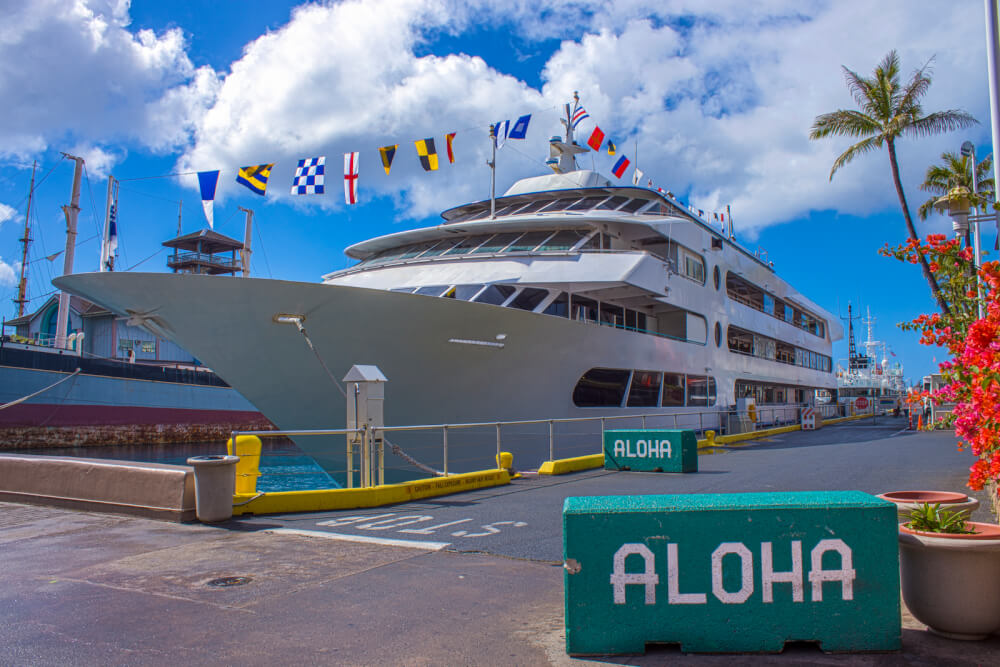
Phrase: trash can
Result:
[214,485]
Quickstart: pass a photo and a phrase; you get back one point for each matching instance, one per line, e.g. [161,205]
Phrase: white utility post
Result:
[72,212]
[365,387]
[993,69]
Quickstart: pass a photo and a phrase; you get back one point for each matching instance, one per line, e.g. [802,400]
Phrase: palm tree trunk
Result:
[912,230]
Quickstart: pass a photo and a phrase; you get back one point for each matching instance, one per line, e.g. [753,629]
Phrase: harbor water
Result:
[283,466]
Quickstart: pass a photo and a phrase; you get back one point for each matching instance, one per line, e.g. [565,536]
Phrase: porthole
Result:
[717,277]
[718,334]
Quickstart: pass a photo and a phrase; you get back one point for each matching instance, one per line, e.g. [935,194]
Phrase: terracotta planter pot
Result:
[907,501]
[951,582]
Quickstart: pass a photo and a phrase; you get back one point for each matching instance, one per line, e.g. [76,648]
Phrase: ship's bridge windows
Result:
[531,207]
[612,203]
[497,243]
[403,290]
[586,203]
[528,242]
[634,205]
[467,244]
[584,309]
[478,212]
[562,240]
[764,347]
[644,392]
[559,205]
[495,294]
[612,315]
[439,248]
[415,249]
[528,298]
[463,292]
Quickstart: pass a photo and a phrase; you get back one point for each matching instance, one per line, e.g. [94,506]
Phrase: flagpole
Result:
[105,250]
[493,173]
[729,216]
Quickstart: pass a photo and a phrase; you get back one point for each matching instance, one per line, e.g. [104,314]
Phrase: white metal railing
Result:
[369,442]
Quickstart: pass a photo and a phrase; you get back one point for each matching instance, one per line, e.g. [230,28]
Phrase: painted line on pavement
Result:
[385,541]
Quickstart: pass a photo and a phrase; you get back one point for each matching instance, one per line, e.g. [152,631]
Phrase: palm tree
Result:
[955,171]
[887,111]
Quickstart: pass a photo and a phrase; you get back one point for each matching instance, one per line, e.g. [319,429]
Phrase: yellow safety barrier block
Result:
[280,502]
[563,466]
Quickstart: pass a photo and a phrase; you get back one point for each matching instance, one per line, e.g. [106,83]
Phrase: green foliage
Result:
[932,519]
[956,171]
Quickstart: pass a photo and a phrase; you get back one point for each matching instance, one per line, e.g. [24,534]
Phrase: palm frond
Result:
[867,146]
[926,208]
[844,122]
[939,122]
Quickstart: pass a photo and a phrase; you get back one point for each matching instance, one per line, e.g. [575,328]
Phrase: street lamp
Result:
[956,205]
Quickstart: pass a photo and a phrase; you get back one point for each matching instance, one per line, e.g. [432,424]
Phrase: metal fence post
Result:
[498,444]
[365,458]
[445,440]
[350,460]
[381,457]
[644,422]
[552,446]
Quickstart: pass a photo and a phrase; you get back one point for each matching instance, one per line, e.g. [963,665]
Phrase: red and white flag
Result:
[351,177]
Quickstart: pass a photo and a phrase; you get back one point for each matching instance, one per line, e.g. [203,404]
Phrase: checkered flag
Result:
[309,176]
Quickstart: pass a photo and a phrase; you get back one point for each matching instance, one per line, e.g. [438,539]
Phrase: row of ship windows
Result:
[617,387]
[746,342]
[506,242]
[749,294]
[622,388]
[578,204]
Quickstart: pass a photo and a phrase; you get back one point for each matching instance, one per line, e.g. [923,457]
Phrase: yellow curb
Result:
[388,494]
[563,466]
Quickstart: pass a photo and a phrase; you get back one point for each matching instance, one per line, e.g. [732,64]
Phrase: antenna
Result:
[854,361]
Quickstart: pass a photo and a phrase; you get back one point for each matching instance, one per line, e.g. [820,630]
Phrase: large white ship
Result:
[567,296]
[870,374]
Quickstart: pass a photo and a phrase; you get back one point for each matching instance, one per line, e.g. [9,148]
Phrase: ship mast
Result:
[22,286]
[71,212]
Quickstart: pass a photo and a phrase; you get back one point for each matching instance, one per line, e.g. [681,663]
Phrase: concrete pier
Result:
[473,578]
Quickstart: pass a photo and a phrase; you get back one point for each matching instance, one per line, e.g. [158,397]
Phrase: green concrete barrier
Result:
[731,572]
[651,450]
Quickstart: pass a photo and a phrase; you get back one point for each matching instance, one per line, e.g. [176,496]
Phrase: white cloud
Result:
[70,70]
[6,213]
[719,99]
[8,277]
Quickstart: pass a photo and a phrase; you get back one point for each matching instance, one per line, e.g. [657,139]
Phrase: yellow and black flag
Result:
[387,153]
[428,154]
[255,177]
[611,147]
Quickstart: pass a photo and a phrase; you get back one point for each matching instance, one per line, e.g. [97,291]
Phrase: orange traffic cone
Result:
[920,423]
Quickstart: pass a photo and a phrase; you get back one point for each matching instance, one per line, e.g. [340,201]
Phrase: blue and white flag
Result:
[309,176]
[520,129]
[501,129]
[207,180]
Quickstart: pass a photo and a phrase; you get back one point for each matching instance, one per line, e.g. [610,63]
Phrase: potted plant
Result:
[950,572]
[907,501]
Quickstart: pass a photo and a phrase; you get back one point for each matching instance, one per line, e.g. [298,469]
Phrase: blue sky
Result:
[718,101]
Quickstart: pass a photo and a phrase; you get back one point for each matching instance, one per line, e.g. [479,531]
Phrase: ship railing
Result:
[365,452]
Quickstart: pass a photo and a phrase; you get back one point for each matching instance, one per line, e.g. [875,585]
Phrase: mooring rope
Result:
[394,448]
[40,391]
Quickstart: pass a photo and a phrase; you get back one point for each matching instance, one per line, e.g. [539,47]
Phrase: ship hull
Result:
[447,361]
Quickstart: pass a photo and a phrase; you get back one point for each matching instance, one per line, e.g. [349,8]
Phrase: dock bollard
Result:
[248,469]
[214,485]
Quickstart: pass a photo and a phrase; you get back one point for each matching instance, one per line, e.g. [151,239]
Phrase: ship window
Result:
[640,322]
[601,387]
[584,309]
[630,319]
[716,276]
[528,241]
[612,315]
[495,294]
[533,206]
[507,210]
[402,290]
[586,203]
[559,306]
[558,205]
[693,266]
[497,243]
[593,243]
[477,212]
[563,240]
[463,292]
[697,390]
[467,244]
[415,249]
[431,290]
[645,389]
[439,248]
[718,335]
[634,205]
[529,298]
[612,204]
[673,390]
